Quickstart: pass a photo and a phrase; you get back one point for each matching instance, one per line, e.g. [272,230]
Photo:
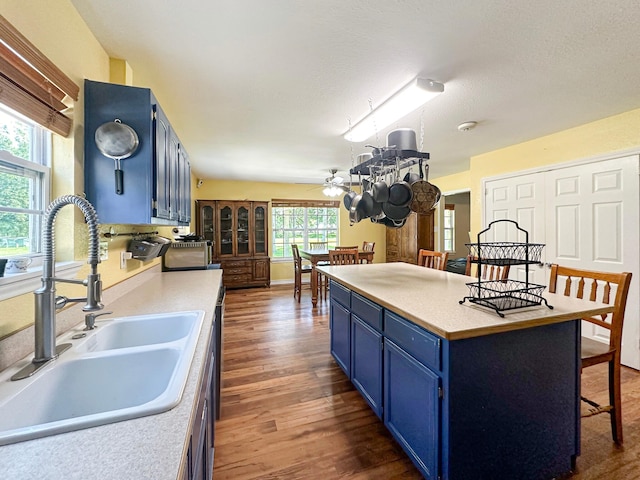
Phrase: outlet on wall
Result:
[104,251]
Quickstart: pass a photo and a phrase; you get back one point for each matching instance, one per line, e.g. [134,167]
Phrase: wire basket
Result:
[506,253]
[501,295]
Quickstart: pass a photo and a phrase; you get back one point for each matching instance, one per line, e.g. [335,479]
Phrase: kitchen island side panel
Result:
[512,404]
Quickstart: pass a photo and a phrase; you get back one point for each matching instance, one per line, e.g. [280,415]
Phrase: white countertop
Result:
[430,298]
[143,448]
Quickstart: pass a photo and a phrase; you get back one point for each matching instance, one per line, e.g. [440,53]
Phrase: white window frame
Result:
[452,228]
[38,167]
[288,255]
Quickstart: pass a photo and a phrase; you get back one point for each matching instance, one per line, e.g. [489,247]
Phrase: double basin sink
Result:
[127,367]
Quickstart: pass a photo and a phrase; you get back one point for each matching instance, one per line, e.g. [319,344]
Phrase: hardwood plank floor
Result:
[289,412]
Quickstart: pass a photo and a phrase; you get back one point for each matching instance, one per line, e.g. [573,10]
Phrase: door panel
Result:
[520,199]
[587,216]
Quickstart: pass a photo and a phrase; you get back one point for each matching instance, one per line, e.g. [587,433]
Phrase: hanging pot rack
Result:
[388,160]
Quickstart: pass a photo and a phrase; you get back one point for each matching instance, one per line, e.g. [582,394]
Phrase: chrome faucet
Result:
[46,301]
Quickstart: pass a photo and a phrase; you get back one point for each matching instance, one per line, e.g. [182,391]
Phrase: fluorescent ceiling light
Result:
[410,97]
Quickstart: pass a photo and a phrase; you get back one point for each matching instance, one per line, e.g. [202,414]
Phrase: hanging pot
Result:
[117,141]
[387,222]
[380,190]
[395,212]
[402,139]
[400,193]
[411,177]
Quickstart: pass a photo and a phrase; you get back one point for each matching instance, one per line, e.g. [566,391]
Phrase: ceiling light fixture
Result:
[466,126]
[404,101]
[333,185]
[332,191]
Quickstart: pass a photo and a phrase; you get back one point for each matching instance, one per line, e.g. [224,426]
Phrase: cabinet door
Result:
[174,168]
[366,363]
[243,229]
[225,229]
[341,336]
[206,220]
[259,236]
[412,407]
[162,165]
[184,187]
[393,244]
[409,240]
[261,271]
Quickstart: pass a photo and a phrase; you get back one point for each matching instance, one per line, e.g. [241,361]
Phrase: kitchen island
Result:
[152,447]
[466,393]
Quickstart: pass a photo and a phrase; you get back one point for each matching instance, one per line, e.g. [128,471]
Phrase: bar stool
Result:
[600,285]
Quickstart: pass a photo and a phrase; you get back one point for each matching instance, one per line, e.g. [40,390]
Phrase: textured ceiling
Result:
[263,90]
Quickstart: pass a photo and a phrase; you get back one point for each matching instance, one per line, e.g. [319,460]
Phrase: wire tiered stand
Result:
[502,295]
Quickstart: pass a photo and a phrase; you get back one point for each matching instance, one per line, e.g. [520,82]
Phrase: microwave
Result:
[187,256]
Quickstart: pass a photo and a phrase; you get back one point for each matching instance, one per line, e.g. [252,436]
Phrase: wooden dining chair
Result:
[431,259]
[343,256]
[318,245]
[298,270]
[600,287]
[486,271]
[346,247]
[368,246]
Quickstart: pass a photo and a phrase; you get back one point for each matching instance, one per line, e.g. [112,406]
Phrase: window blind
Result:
[305,203]
[31,84]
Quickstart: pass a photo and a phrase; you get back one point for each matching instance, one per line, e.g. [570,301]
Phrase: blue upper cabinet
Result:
[156,177]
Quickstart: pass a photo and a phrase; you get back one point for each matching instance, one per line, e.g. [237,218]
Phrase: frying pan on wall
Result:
[117,141]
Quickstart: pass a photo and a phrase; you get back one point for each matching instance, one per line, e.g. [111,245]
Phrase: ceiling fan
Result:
[333,185]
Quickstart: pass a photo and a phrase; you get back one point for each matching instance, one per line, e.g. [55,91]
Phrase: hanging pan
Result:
[425,195]
[117,141]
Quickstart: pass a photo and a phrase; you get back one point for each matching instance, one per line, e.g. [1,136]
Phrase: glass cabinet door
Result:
[207,223]
[242,230]
[226,230]
[259,229]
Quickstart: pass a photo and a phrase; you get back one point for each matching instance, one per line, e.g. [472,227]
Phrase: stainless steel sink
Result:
[126,368]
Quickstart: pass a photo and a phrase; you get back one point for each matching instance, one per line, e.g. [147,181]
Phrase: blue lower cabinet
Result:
[366,363]
[412,407]
[341,336]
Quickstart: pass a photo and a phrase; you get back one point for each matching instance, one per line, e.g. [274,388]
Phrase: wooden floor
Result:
[289,412]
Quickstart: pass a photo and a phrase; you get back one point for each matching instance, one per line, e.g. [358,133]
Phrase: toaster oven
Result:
[187,256]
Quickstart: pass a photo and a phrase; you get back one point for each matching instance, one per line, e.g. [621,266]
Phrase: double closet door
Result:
[587,215]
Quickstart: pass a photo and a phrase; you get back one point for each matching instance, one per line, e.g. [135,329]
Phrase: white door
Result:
[521,199]
[587,215]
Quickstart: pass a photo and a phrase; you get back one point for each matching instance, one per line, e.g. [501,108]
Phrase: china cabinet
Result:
[404,243]
[239,234]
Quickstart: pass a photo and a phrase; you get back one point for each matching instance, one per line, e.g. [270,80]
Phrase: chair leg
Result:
[615,399]
[297,286]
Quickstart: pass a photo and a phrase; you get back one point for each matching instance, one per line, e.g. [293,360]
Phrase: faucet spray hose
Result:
[91,218]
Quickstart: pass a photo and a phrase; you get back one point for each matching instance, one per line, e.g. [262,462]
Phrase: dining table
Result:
[322,255]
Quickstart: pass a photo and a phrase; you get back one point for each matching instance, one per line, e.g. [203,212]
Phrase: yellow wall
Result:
[59,32]
[262,191]
[612,134]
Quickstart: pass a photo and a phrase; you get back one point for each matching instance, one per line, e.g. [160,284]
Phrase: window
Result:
[301,222]
[24,183]
[449,228]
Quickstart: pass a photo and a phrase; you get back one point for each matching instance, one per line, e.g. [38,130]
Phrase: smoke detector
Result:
[466,126]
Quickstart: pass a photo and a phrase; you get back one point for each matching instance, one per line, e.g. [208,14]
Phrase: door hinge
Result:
[440,392]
